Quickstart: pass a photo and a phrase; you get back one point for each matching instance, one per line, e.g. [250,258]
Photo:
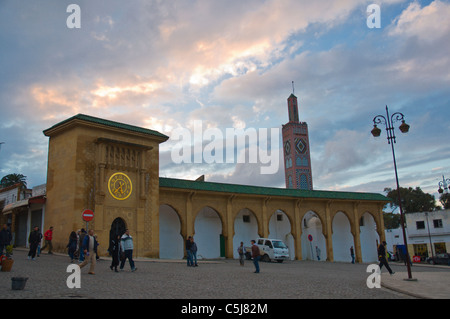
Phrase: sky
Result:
[166,65]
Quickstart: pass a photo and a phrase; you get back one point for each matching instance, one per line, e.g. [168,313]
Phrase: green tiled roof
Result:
[97,120]
[266,191]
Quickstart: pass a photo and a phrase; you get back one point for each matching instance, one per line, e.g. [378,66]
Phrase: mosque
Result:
[112,169]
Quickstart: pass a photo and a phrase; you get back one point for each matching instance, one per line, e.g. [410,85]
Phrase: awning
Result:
[8,209]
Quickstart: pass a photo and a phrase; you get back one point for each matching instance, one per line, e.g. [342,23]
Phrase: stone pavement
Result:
[219,279]
[426,284]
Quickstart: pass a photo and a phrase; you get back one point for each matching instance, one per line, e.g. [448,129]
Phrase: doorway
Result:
[118,228]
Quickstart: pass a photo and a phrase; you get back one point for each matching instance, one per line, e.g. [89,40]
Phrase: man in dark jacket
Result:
[33,240]
[5,239]
[190,262]
[256,256]
[382,257]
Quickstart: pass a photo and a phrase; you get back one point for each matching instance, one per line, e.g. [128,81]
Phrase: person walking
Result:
[48,236]
[39,244]
[33,241]
[72,245]
[189,252]
[382,257]
[194,252]
[89,248]
[5,239]
[81,236]
[352,254]
[115,253]
[241,251]
[256,256]
[127,246]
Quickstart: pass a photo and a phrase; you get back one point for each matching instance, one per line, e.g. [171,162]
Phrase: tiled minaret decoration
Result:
[297,161]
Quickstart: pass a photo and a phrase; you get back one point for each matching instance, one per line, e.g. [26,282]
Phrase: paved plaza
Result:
[221,279]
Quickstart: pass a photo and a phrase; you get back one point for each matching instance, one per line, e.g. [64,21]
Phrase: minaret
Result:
[297,160]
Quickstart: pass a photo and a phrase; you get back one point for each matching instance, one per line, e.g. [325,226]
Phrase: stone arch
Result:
[368,237]
[118,227]
[312,224]
[208,233]
[342,237]
[376,219]
[245,229]
[280,227]
[170,237]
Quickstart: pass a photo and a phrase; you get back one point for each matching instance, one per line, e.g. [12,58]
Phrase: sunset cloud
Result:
[165,64]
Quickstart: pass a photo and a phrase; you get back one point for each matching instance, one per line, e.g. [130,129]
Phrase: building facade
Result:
[22,209]
[428,234]
[112,169]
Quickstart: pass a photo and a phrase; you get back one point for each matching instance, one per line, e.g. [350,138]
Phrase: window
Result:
[437,223]
[279,217]
[420,225]
[279,244]
[246,218]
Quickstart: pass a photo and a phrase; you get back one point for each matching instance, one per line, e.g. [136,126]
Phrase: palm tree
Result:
[12,179]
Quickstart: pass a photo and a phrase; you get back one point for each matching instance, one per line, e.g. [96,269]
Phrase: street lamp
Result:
[444,185]
[404,128]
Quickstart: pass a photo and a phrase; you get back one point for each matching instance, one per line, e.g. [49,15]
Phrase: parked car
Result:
[270,249]
[443,259]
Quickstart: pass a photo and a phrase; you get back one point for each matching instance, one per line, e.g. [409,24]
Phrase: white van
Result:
[271,249]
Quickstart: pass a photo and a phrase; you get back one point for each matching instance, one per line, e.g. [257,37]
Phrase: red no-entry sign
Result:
[88,215]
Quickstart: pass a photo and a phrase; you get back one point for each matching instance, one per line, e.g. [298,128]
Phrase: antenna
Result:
[293,89]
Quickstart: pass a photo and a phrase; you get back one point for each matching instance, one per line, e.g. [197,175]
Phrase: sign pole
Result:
[310,238]
[87,216]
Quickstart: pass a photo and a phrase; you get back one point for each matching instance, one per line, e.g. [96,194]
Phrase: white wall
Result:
[244,231]
[342,238]
[281,229]
[208,228]
[171,243]
[369,237]
[314,228]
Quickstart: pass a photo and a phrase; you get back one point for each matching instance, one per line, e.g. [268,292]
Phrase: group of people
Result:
[121,249]
[191,252]
[35,239]
[256,255]
[82,245]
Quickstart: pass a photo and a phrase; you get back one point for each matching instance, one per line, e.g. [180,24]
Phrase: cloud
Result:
[165,64]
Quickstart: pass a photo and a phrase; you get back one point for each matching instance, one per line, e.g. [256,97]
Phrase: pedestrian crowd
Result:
[82,246]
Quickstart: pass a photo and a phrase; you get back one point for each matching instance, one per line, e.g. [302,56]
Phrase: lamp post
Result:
[444,186]
[388,121]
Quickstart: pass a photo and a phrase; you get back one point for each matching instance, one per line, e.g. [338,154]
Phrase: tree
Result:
[413,200]
[12,179]
[445,200]
[391,220]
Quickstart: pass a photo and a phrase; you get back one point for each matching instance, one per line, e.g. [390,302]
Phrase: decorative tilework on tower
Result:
[297,161]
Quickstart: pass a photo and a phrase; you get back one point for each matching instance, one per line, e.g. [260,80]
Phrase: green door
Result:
[222,246]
